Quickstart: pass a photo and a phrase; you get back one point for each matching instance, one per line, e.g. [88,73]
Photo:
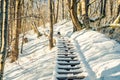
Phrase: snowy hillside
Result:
[99,55]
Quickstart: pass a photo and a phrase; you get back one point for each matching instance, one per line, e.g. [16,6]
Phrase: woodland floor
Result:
[99,54]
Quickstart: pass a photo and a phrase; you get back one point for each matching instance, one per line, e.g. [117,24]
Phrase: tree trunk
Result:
[79,9]
[43,21]
[111,7]
[85,17]
[56,18]
[62,9]
[36,29]
[3,52]
[2,23]
[18,31]
[51,25]
[118,10]
[73,14]
[2,38]
[53,11]
[41,15]
[103,8]
[15,52]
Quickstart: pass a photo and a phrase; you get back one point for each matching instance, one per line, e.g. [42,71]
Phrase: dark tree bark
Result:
[103,8]
[15,49]
[62,9]
[118,10]
[3,54]
[51,25]
[2,16]
[111,7]
[73,14]
[2,39]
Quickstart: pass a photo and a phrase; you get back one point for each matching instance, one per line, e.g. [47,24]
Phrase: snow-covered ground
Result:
[99,55]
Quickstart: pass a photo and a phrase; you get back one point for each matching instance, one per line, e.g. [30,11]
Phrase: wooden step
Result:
[70,77]
[69,56]
[68,67]
[65,71]
[67,59]
[68,62]
[66,54]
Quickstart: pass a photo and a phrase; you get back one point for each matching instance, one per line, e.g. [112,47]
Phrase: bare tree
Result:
[41,13]
[33,21]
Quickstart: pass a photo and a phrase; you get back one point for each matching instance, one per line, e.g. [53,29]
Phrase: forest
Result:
[18,17]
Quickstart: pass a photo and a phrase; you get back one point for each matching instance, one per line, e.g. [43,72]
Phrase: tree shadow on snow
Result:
[32,70]
[33,48]
[107,74]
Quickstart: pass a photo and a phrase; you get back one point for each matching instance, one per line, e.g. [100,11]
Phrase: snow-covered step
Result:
[63,53]
[70,48]
[69,44]
[66,50]
[61,40]
[66,53]
[62,46]
[68,56]
[70,77]
[69,71]
[63,43]
[68,62]
[61,49]
[67,59]
[68,67]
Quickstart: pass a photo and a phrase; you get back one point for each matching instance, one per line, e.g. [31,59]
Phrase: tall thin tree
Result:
[85,17]
[51,25]
[62,9]
[56,18]
[14,45]
[5,37]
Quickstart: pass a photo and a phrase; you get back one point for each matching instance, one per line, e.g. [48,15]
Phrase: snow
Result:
[35,63]
[99,55]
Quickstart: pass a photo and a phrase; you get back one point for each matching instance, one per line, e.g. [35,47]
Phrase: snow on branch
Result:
[115,24]
[111,25]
